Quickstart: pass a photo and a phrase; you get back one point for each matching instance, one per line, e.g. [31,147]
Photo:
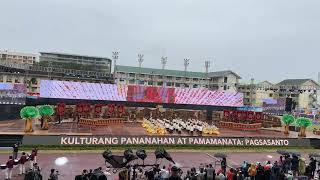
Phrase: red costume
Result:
[23,159]
[10,163]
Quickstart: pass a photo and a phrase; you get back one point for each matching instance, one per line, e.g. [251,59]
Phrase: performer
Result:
[22,161]
[9,164]
[15,149]
[35,150]
[31,159]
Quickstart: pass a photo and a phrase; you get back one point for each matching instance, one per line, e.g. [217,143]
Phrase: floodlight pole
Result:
[164,61]
[207,66]
[140,60]
[115,57]
[186,64]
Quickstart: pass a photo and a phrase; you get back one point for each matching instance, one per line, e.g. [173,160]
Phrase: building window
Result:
[270,95]
[195,79]
[195,85]
[131,81]
[121,80]
[131,75]
[178,78]
[225,80]
[9,79]
[150,83]
[141,82]
[169,83]
[247,93]
[169,77]
[177,85]
[160,83]
[224,87]
[142,75]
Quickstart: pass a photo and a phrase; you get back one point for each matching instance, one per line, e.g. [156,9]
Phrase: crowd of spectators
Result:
[286,168]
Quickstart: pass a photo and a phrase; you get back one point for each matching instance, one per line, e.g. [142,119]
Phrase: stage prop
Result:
[46,111]
[240,126]
[61,107]
[100,122]
[303,123]
[250,117]
[287,120]
[29,113]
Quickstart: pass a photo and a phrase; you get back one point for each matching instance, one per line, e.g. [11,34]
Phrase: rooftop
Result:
[295,82]
[68,54]
[176,73]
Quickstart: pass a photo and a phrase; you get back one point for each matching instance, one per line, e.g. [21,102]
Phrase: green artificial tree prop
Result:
[287,120]
[303,123]
[45,111]
[29,113]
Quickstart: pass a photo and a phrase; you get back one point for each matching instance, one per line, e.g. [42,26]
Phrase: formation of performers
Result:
[191,126]
[21,162]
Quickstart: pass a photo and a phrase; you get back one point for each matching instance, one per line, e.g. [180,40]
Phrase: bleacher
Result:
[10,140]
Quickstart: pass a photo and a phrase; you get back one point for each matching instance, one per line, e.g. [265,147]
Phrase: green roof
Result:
[294,82]
[176,73]
[166,72]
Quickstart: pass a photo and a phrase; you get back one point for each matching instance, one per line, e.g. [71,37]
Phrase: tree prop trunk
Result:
[302,132]
[45,125]
[286,129]
[28,125]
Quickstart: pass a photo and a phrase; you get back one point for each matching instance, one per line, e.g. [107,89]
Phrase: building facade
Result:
[34,74]
[302,91]
[72,61]
[222,80]
[18,57]
[255,94]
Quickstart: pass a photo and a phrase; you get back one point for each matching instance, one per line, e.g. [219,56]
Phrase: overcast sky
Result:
[265,39]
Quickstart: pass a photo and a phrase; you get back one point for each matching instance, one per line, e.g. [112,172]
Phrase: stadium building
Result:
[73,61]
[17,57]
[219,80]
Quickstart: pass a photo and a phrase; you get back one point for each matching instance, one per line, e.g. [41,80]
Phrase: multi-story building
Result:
[34,74]
[73,61]
[220,80]
[255,94]
[18,57]
[302,91]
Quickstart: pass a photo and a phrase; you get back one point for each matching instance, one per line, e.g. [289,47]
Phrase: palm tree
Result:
[29,113]
[303,123]
[287,120]
[45,111]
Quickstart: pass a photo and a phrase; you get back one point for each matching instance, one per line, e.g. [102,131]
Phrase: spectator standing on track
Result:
[9,164]
[35,150]
[15,150]
[302,166]
[53,175]
[174,174]
[275,170]
[230,174]
[252,171]
[210,173]
[31,159]
[164,173]
[224,165]
[294,165]
[260,172]
[313,166]
[22,161]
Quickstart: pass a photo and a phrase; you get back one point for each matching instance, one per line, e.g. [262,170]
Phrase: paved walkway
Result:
[186,160]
